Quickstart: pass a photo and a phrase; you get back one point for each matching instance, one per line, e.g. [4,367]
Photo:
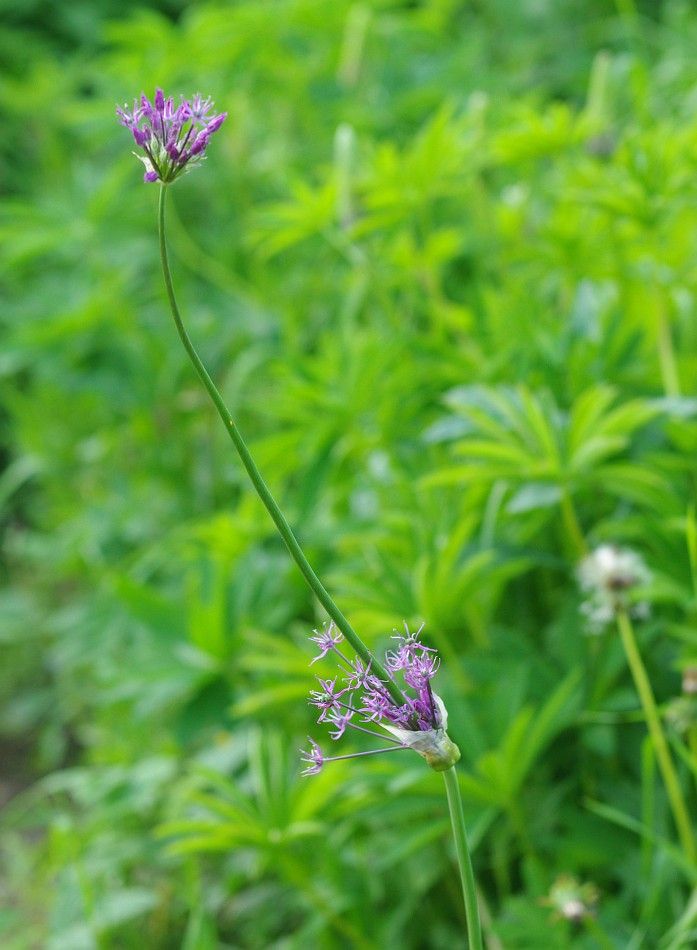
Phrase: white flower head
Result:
[572,900]
[607,577]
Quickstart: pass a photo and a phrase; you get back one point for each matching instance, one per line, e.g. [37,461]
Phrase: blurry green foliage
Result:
[441,261]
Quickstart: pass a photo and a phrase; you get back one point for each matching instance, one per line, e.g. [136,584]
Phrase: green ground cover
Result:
[442,261]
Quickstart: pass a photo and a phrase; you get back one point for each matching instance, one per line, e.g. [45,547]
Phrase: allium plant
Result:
[172,140]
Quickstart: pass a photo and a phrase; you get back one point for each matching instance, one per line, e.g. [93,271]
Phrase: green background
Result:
[441,260]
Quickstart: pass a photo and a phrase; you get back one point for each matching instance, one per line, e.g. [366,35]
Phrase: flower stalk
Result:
[666,353]
[262,489]
[660,744]
[469,889]
[413,716]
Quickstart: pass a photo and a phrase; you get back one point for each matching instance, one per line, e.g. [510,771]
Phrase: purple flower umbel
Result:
[418,723]
[172,140]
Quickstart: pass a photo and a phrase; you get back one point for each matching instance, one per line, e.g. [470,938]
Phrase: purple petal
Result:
[146,108]
[200,143]
[215,123]
[142,136]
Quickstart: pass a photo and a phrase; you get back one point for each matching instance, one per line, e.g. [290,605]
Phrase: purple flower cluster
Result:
[173,139]
[356,697]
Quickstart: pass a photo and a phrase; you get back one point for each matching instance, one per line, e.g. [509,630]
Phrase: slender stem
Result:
[648,803]
[691,537]
[595,930]
[469,890]
[371,732]
[692,744]
[572,527]
[359,755]
[260,485]
[666,353]
[653,722]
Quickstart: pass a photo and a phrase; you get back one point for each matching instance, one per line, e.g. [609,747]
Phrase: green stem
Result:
[532,862]
[571,525]
[469,890]
[666,353]
[665,762]
[692,745]
[260,485]
[595,930]
[627,9]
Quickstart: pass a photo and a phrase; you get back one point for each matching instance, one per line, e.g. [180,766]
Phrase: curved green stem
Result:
[469,890]
[653,722]
[260,485]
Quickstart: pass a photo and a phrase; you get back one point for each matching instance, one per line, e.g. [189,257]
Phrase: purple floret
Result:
[420,671]
[313,759]
[360,676]
[368,696]
[340,720]
[327,698]
[171,138]
[327,640]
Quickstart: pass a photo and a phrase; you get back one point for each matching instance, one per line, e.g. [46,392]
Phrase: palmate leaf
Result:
[534,134]
[281,674]
[525,440]
[310,211]
[499,773]
[533,496]
[635,482]
[596,431]
[264,810]
[403,183]
[458,586]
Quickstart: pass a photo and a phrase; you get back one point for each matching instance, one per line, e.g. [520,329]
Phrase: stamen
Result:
[371,732]
[357,755]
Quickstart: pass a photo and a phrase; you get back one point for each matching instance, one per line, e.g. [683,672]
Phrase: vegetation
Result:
[441,263]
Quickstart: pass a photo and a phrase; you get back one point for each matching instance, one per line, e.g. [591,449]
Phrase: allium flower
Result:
[418,723]
[173,139]
[327,698]
[607,577]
